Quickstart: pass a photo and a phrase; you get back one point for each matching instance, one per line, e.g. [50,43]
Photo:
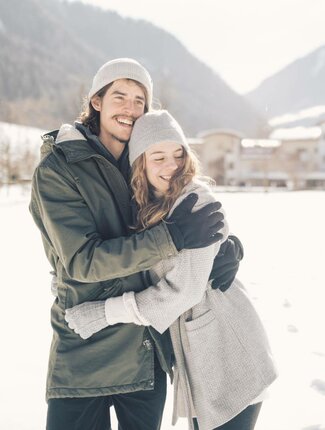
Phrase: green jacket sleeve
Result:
[68,226]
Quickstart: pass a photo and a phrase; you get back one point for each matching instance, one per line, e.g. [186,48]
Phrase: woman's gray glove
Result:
[226,263]
[87,318]
[195,229]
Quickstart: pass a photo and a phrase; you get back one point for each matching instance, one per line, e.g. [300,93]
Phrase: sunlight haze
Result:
[244,42]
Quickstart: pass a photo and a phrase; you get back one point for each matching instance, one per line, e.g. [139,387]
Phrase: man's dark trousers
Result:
[139,410]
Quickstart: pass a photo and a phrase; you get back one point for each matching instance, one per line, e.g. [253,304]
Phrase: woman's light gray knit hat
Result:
[154,127]
[122,68]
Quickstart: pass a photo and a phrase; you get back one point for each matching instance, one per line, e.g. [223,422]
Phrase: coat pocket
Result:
[220,369]
[105,290]
[200,322]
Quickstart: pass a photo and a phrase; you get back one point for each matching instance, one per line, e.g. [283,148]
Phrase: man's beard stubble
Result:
[124,142]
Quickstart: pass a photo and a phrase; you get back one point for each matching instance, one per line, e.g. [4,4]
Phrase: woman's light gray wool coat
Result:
[223,357]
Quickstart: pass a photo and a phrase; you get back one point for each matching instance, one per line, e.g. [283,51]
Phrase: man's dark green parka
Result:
[81,204]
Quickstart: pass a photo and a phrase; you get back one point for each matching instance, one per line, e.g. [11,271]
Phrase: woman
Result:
[223,360]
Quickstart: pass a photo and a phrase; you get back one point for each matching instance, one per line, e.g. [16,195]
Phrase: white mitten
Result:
[87,318]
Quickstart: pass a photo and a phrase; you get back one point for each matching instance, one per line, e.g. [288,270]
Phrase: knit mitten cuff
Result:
[132,307]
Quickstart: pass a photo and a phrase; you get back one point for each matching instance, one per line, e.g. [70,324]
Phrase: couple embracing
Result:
[144,272]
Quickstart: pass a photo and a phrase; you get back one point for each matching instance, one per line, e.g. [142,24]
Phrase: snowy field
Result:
[283,269]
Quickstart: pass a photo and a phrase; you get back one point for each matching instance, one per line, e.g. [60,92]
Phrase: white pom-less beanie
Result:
[122,68]
[154,127]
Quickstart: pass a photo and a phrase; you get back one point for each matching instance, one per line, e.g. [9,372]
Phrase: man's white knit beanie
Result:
[154,127]
[122,68]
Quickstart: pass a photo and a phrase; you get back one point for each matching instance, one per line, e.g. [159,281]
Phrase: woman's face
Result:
[161,161]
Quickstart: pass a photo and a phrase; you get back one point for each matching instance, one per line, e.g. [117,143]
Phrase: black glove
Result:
[226,263]
[195,229]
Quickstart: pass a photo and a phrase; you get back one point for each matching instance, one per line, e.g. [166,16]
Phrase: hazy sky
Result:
[244,41]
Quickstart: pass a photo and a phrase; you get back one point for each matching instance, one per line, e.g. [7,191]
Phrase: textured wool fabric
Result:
[154,127]
[120,310]
[223,357]
[87,318]
[122,68]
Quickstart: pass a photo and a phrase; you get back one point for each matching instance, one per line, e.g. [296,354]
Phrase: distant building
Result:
[321,147]
[259,163]
[302,154]
[291,157]
[196,144]
[220,153]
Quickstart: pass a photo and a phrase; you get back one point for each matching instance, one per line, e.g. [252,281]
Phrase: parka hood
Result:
[70,141]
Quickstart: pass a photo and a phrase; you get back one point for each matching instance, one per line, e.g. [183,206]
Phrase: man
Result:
[81,204]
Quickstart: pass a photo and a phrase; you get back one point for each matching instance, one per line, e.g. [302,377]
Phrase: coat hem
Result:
[59,393]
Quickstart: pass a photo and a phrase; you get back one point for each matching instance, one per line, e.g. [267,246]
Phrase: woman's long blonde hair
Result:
[150,209]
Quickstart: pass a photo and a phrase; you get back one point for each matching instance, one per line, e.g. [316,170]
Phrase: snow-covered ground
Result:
[283,269]
[20,136]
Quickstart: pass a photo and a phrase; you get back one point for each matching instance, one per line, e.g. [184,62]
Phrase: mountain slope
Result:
[51,50]
[298,86]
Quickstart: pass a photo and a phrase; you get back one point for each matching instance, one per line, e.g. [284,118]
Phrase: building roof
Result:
[262,143]
[218,131]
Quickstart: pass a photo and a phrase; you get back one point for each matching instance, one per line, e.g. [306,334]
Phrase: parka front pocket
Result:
[111,288]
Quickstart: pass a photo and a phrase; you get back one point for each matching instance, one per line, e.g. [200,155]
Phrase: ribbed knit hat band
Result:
[154,127]
[122,68]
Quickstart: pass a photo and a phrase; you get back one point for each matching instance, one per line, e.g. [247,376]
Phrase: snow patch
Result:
[296,133]
[315,112]
[19,136]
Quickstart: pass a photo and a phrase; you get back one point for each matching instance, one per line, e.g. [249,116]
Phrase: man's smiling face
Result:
[122,104]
